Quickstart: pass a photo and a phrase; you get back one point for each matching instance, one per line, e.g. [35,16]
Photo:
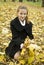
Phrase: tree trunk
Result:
[13,0]
[34,0]
[4,0]
[42,3]
[29,0]
[37,0]
[20,0]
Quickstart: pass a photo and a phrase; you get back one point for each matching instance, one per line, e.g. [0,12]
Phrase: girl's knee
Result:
[17,54]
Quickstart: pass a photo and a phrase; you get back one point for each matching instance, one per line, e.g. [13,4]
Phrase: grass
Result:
[34,3]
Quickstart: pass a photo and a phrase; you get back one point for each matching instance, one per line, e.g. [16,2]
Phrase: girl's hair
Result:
[23,7]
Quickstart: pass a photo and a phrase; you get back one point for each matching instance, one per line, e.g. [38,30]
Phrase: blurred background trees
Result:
[13,0]
[20,0]
[42,3]
[34,1]
[4,0]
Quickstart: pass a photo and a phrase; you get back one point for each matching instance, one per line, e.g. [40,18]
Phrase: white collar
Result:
[23,23]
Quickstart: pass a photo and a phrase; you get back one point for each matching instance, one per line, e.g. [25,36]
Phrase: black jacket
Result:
[19,33]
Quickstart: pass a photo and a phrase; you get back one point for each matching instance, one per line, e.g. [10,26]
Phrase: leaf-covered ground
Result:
[36,15]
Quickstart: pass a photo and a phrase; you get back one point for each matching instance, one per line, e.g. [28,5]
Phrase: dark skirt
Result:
[14,46]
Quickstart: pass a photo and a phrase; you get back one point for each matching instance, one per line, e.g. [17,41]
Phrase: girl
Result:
[20,30]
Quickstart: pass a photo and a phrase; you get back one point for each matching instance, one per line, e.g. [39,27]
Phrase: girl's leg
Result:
[17,54]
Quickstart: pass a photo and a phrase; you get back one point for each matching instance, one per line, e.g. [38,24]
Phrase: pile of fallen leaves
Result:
[32,53]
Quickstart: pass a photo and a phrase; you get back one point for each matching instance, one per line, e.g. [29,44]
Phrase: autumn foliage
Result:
[33,51]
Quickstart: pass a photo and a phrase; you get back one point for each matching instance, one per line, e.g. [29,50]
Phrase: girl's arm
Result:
[28,29]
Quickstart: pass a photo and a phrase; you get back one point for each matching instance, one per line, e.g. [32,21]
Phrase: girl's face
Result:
[22,14]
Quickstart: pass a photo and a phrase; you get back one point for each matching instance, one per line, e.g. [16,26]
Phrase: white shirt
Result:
[23,23]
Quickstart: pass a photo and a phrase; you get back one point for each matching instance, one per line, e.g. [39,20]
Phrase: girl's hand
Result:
[21,46]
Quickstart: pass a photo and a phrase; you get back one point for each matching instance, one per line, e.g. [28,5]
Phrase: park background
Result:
[8,10]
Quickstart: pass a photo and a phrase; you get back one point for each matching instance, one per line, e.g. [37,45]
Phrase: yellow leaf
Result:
[22,62]
[1,58]
[11,63]
[42,60]
[31,52]
[30,60]
[23,51]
